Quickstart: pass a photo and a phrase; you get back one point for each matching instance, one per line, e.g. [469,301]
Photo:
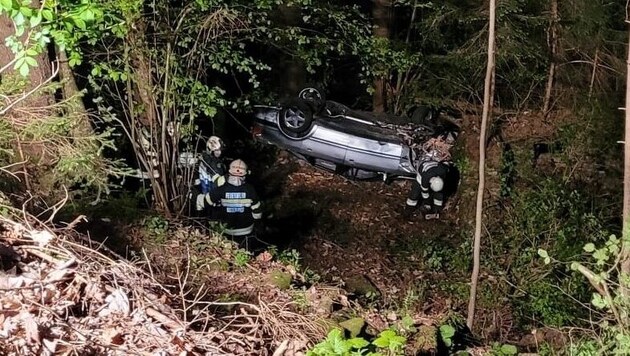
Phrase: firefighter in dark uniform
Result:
[428,189]
[239,205]
[211,167]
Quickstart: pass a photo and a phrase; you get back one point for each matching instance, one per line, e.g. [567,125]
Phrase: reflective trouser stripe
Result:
[256,206]
[425,195]
[240,232]
[200,202]
[411,202]
[437,202]
[257,216]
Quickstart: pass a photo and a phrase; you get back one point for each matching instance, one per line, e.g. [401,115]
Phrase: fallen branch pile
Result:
[61,297]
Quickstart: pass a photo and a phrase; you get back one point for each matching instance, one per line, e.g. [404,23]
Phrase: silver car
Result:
[355,144]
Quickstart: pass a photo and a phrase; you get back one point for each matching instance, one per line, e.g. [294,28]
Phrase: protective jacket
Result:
[421,186]
[239,207]
[211,172]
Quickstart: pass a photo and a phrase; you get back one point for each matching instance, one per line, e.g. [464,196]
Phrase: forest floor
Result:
[356,253]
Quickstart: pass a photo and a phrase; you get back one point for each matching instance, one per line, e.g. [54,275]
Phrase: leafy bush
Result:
[388,342]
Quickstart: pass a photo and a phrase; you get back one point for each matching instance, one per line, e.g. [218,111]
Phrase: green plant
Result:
[242,257]
[503,350]
[391,341]
[610,283]
[157,226]
[336,344]
[290,257]
[446,333]
[388,342]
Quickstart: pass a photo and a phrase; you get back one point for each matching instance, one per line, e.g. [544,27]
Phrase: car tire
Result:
[423,115]
[296,118]
[314,97]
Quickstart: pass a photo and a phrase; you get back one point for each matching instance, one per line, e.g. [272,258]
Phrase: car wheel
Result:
[314,97]
[296,118]
[423,115]
[310,94]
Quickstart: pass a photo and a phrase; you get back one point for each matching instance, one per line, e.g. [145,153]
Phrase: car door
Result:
[371,154]
[326,143]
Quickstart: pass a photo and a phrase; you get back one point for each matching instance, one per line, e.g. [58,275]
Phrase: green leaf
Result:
[18,19]
[24,69]
[80,23]
[19,30]
[598,301]
[31,61]
[36,20]
[357,343]
[509,349]
[589,247]
[87,15]
[47,14]
[6,4]
[19,62]
[26,11]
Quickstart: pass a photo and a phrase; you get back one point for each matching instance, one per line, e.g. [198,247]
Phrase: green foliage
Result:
[503,350]
[611,332]
[242,257]
[65,22]
[290,257]
[336,344]
[157,227]
[553,219]
[388,342]
[446,333]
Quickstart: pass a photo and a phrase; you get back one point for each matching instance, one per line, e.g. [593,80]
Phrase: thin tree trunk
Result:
[397,92]
[553,49]
[487,104]
[593,73]
[380,13]
[625,247]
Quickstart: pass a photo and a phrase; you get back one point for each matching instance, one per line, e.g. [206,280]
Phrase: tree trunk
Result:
[293,76]
[380,14]
[625,247]
[487,105]
[553,53]
[32,155]
[69,90]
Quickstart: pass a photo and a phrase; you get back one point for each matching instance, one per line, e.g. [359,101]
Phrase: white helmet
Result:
[214,143]
[437,184]
[238,168]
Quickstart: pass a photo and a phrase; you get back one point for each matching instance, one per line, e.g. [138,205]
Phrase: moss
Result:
[425,341]
[280,279]
[360,285]
[354,326]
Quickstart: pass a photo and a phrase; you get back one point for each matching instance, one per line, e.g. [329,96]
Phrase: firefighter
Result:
[428,189]
[239,205]
[211,167]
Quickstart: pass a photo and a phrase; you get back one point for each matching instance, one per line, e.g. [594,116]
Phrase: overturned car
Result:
[355,144]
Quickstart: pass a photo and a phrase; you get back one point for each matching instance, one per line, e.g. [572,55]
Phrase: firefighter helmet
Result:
[214,143]
[437,184]
[238,168]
